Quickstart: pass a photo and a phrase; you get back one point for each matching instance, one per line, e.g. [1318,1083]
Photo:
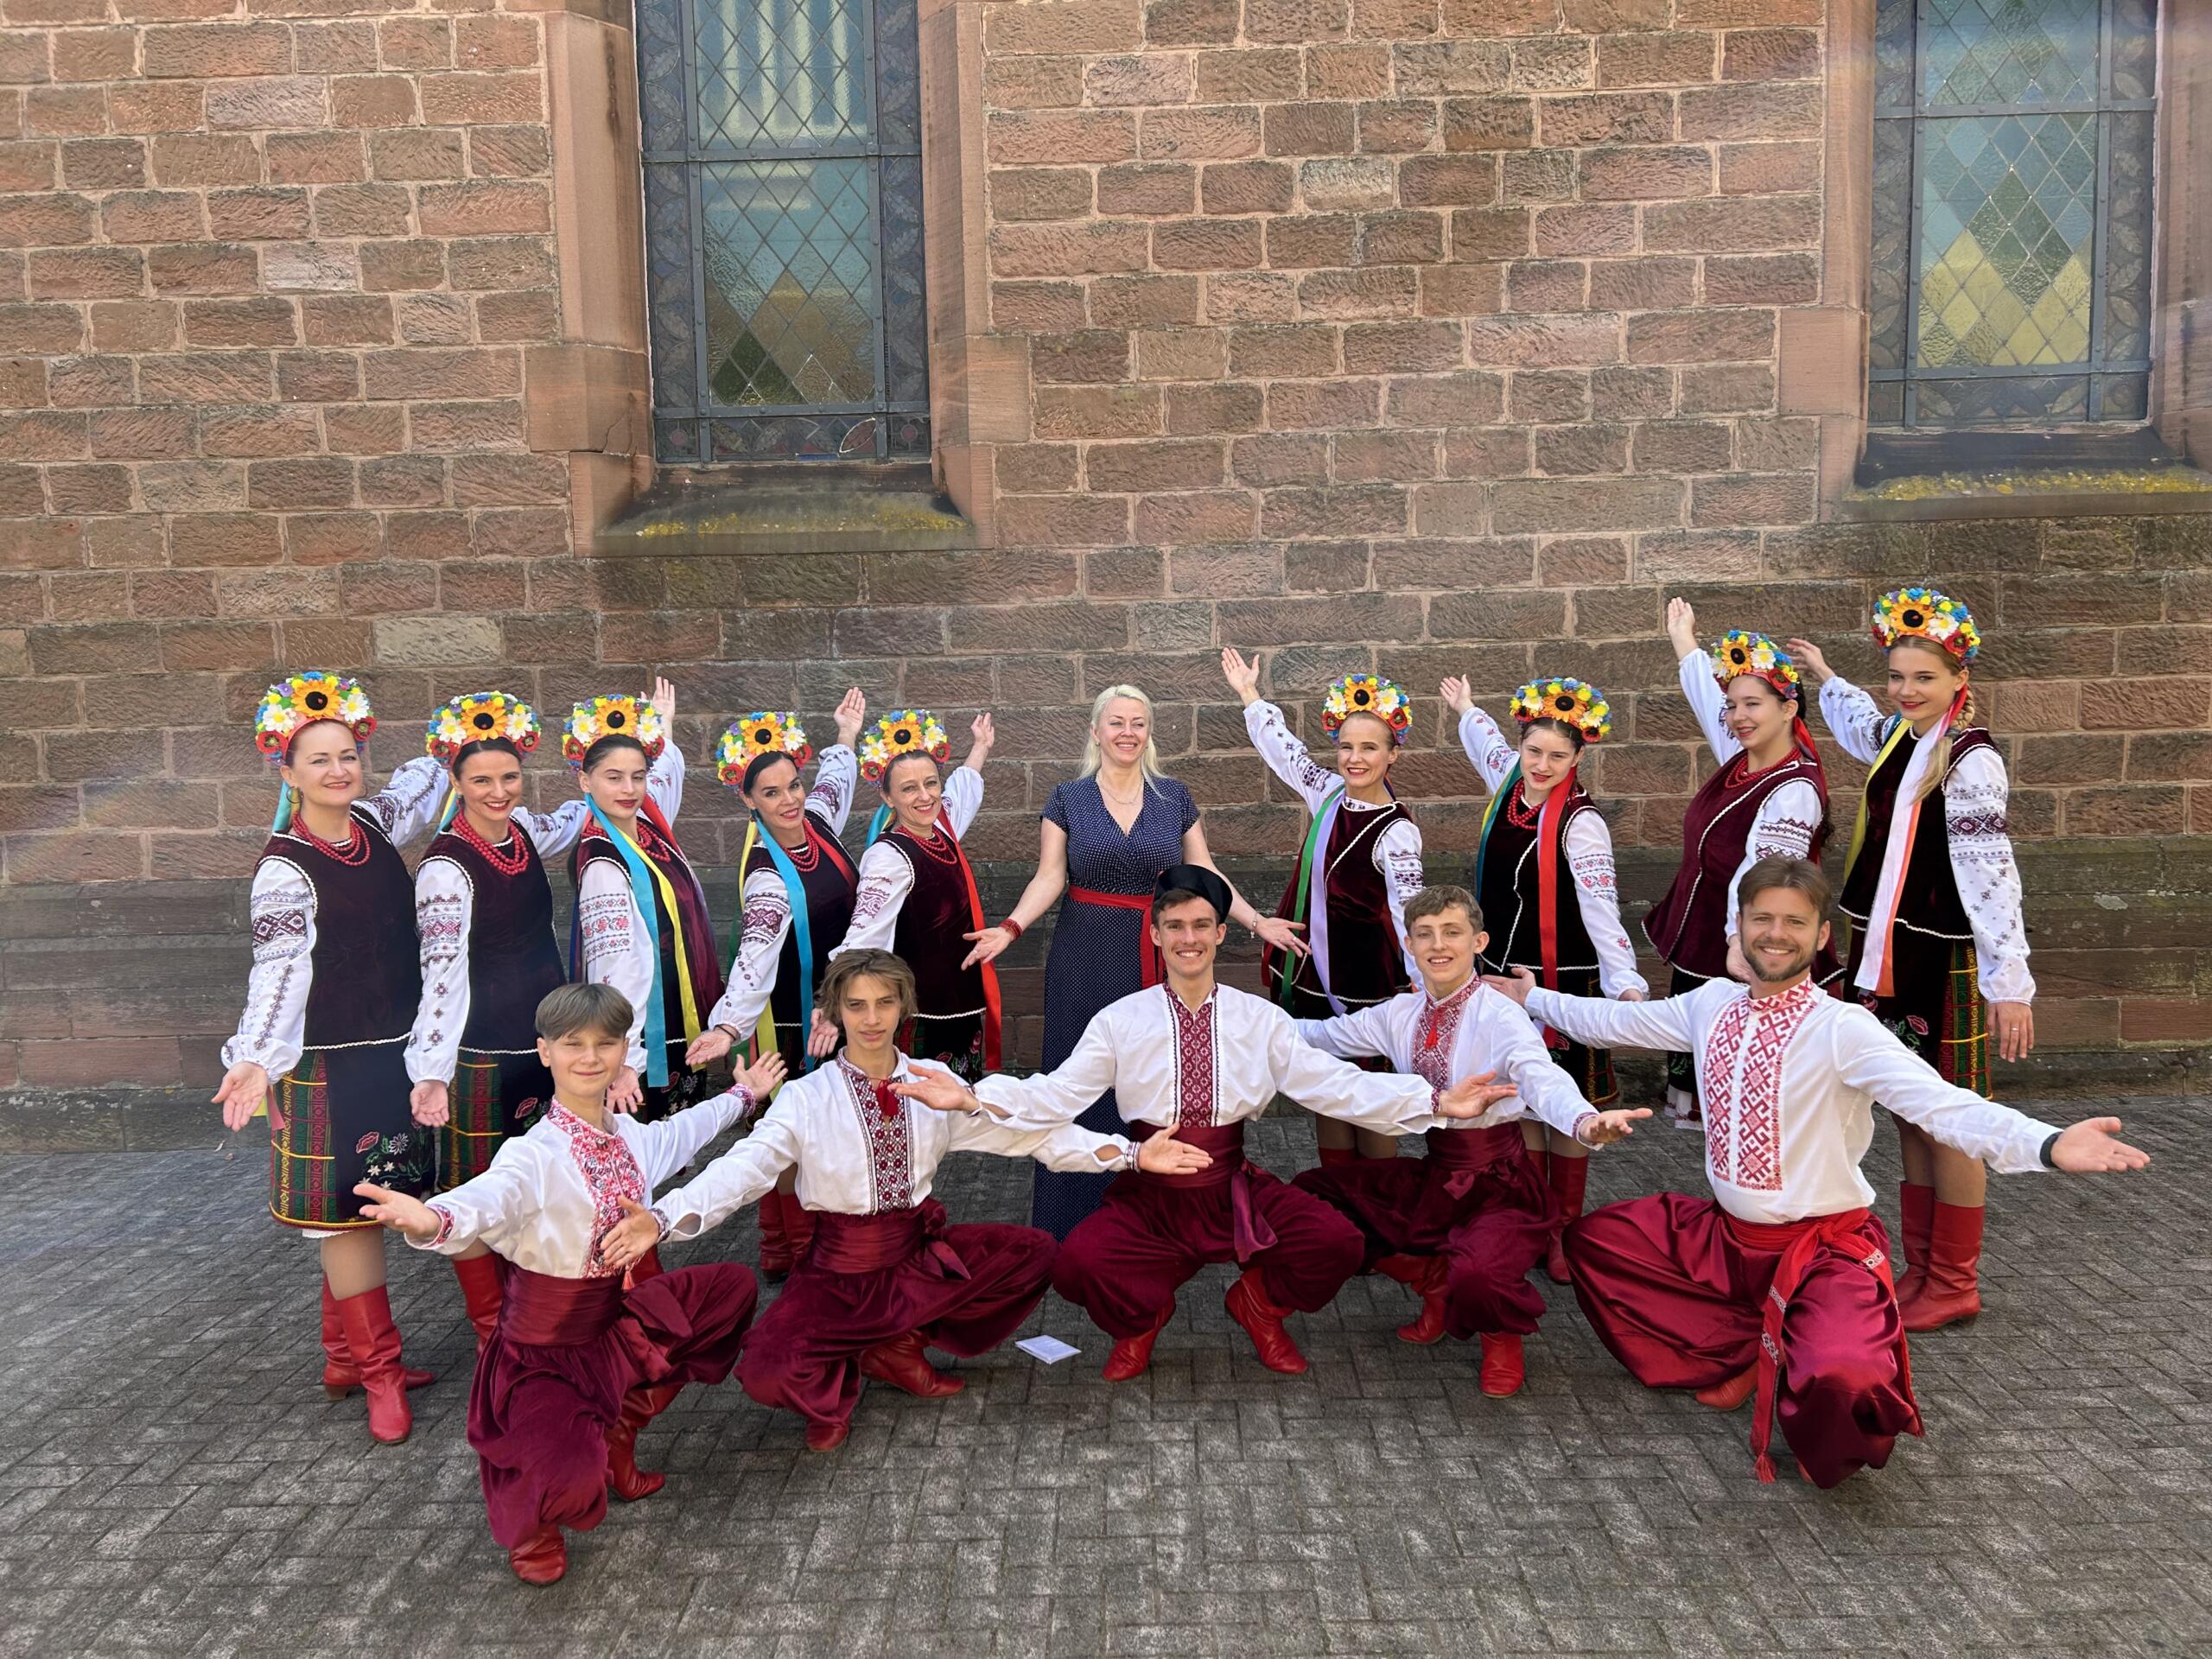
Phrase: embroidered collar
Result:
[865,1088]
[1793,1001]
[1183,1011]
[1435,1005]
[577,1129]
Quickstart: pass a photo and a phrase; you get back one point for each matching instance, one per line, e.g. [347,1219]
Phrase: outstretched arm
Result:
[1598,1022]
[736,1179]
[1045,1100]
[1485,747]
[1361,1034]
[1287,757]
[1040,895]
[1855,721]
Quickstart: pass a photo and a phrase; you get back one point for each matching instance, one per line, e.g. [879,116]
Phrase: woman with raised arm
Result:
[641,920]
[333,993]
[484,915]
[795,903]
[918,897]
[1934,900]
[1544,878]
[1106,837]
[1769,799]
[1360,862]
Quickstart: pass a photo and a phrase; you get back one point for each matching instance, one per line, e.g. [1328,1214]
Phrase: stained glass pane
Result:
[791,254]
[783,76]
[2008,51]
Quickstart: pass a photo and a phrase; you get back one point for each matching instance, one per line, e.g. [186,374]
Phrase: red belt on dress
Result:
[845,1243]
[1468,1152]
[1224,1144]
[1801,1243]
[1147,957]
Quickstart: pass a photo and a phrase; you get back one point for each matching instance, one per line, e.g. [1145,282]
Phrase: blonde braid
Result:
[1940,765]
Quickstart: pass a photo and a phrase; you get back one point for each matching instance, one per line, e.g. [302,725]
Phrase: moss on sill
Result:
[731,513]
[2032,492]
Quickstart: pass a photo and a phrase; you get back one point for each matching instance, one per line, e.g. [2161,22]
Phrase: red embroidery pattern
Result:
[1194,1062]
[890,1143]
[1436,1033]
[765,921]
[1743,1114]
[610,1173]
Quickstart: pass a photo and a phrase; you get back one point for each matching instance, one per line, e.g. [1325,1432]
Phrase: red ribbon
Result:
[1147,957]
[1548,820]
[991,1020]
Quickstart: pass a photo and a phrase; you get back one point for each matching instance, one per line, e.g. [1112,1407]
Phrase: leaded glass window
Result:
[784,229]
[2011,254]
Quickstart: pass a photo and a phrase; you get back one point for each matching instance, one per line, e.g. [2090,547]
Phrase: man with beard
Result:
[1779,1282]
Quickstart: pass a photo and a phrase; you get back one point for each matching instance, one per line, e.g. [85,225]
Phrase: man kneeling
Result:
[1779,1282]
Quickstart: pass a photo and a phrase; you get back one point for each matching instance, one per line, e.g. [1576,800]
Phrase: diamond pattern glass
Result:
[2010,279]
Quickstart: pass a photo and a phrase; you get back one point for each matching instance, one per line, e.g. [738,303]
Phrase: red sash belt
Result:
[1468,1152]
[537,1307]
[1801,1243]
[1147,958]
[870,1243]
[1224,1144]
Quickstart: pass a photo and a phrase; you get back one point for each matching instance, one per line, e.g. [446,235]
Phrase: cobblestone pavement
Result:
[172,1480]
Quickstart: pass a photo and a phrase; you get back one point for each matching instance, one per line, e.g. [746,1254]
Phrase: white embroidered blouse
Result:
[1222,1064]
[1976,797]
[1588,844]
[861,1152]
[1472,1031]
[620,946]
[281,907]
[445,913]
[552,1192]
[1789,815]
[886,875]
[766,905]
[1396,852]
[1788,1084]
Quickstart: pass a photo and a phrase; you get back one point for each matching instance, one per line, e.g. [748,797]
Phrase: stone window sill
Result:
[2030,492]
[782,510]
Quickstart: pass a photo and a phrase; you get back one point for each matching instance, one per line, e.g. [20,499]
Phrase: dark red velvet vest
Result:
[1512,894]
[1367,961]
[829,888]
[1927,897]
[1689,927]
[368,974]
[513,960]
[691,906]
[932,923]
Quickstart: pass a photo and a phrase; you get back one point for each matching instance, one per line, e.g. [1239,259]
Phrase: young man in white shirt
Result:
[1779,1282]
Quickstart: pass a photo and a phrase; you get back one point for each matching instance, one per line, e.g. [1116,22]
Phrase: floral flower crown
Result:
[902,732]
[1574,702]
[1367,694]
[1741,651]
[479,717]
[305,698]
[1924,614]
[762,732]
[634,717]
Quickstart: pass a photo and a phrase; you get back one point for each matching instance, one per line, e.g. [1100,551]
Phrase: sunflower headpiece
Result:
[1740,651]
[1574,702]
[301,700]
[902,732]
[762,732]
[1924,614]
[1367,694]
[479,717]
[613,717]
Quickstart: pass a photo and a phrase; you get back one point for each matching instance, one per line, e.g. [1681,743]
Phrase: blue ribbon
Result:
[641,894]
[802,931]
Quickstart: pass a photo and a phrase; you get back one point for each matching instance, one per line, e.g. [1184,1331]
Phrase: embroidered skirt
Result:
[346,1120]
[494,1095]
[953,1040]
[1936,1008]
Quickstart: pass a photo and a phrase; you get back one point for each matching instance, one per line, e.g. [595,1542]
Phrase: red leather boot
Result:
[1952,1290]
[374,1342]
[541,1558]
[826,1437]
[903,1363]
[480,1292]
[1502,1369]
[1566,1177]
[340,1376]
[775,1242]
[1425,1276]
[1726,1396]
[1132,1355]
[1249,1305]
[639,1406]
[1915,1223]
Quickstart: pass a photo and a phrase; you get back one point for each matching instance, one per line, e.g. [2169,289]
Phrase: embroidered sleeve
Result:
[613,953]
[766,919]
[1598,899]
[1789,817]
[832,794]
[664,782]
[1868,1057]
[1287,757]
[963,797]
[280,910]
[1397,860]
[1485,745]
[1975,798]
[498,1208]
[444,902]
[1852,719]
[886,880]
[1694,672]
[1602,1023]
[553,833]
[664,1147]
[410,803]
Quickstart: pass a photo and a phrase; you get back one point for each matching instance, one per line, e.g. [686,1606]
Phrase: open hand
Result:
[399,1211]
[1282,935]
[1602,1128]
[1809,659]
[1243,677]
[630,1237]
[428,1101]
[1472,1097]
[985,734]
[243,1088]
[1163,1154]
[624,1093]
[663,701]
[821,1037]
[937,1090]
[1516,985]
[708,1046]
[1458,696]
[852,714]
[988,944]
[1682,627]
[2016,1029]
[763,1078]
[2093,1147]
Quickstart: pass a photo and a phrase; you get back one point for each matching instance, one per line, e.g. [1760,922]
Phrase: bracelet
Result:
[1012,929]
[728,1030]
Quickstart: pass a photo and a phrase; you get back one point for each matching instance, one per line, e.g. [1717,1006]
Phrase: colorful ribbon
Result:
[645,880]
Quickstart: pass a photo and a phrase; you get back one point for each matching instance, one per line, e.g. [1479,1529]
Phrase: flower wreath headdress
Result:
[301,701]
[618,716]
[765,731]
[1367,694]
[1924,614]
[902,732]
[1575,702]
[1741,651]
[480,717]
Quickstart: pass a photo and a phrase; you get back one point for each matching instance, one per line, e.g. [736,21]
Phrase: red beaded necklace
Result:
[509,859]
[1519,813]
[355,851]
[941,847]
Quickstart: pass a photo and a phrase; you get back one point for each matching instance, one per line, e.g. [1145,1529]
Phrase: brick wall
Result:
[1433,336]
